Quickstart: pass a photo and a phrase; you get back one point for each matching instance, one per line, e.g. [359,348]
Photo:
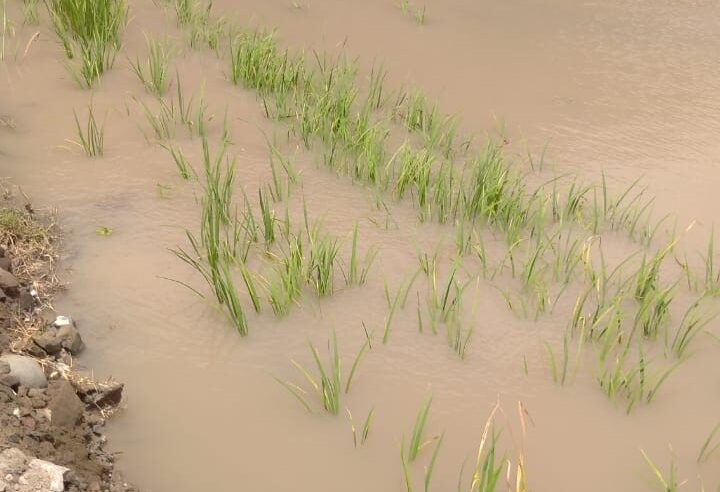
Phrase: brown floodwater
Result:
[628,88]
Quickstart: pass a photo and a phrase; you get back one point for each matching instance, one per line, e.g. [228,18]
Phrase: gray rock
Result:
[6,264]
[9,284]
[65,405]
[26,370]
[12,462]
[49,342]
[70,339]
[43,475]
[25,300]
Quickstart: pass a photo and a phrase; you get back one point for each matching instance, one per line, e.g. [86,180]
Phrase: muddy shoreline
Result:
[52,412]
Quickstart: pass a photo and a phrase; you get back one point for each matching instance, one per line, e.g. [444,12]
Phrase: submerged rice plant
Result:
[667,483]
[92,138]
[357,272]
[365,431]
[320,267]
[416,437]
[326,383]
[153,73]
[30,12]
[90,31]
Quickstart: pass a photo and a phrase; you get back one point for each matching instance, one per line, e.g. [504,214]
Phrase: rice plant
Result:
[667,483]
[419,15]
[30,12]
[357,272]
[326,383]
[488,465]
[709,446]
[184,167]
[267,213]
[365,431]
[320,267]
[215,269]
[285,287]
[163,122]
[416,438]
[712,273]
[692,322]
[92,138]
[153,73]
[90,31]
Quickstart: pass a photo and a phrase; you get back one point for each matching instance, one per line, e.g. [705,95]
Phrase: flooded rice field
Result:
[392,246]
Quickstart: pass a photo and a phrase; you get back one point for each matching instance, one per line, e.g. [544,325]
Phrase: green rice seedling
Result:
[218,180]
[431,464]
[153,74]
[692,322]
[91,31]
[321,261]
[92,139]
[405,6]
[249,224]
[649,271]
[416,440]
[197,27]
[669,483]
[631,380]
[486,472]
[427,263]
[374,99]
[709,447]
[267,214]
[278,190]
[355,363]
[184,10]
[712,273]
[419,15]
[287,286]
[30,12]
[653,311]
[393,305]
[184,167]
[405,467]
[356,274]
[163,122]
[215,32]
[570,209]
[417,115]
[249,285]
[216,272]
[559,374]
[365,431]
[327,382]
[257,62]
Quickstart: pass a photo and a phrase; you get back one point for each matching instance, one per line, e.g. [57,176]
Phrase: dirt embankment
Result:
[52,416]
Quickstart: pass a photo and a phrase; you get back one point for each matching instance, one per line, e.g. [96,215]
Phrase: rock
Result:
[43,475]
[25,300]
[49,342]
[9,284]
[70,339]
[65,406]
[61,321]
[27,371]
[6,264]
[12,462]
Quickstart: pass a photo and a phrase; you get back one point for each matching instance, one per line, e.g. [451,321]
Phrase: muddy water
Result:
[628,88]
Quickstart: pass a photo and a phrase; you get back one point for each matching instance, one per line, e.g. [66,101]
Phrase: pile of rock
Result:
[52,418]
